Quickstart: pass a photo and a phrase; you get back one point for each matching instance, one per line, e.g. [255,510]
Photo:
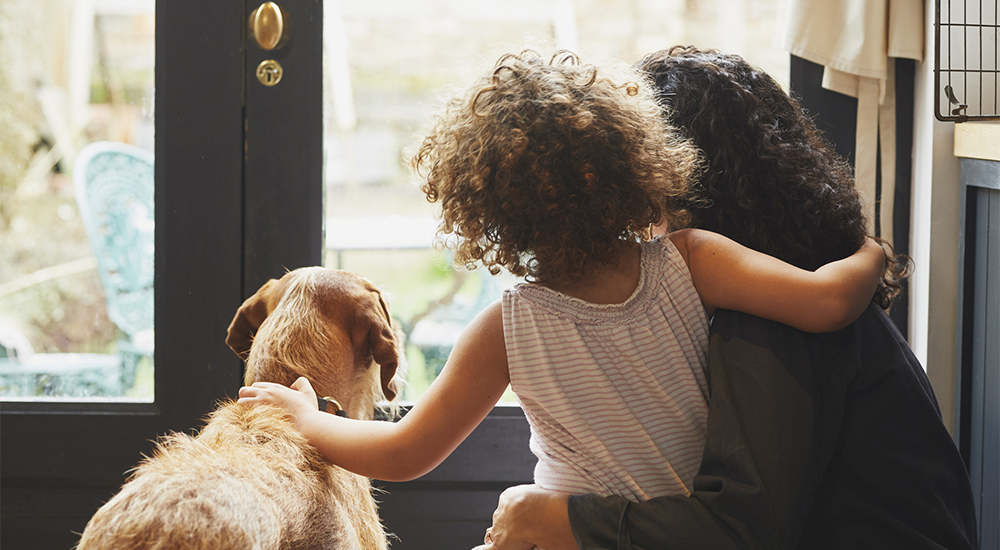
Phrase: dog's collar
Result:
[331,405]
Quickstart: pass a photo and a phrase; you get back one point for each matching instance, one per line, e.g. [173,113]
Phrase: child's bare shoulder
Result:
[684,240]
[693,240]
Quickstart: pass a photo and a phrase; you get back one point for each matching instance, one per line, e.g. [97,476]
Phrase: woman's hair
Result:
[772,182]
[546,167]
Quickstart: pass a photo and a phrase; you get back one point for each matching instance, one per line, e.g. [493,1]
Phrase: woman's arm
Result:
[729,275]
[472,381]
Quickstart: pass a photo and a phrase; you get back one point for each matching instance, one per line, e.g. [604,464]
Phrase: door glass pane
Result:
[387,64]
[76,200]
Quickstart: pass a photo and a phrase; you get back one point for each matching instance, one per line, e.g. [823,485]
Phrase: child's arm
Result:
[472,381]
[730,276]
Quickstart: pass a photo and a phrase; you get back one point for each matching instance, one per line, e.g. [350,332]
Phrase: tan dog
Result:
[249,480]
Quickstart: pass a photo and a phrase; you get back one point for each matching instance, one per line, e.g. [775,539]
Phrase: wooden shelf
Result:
[979,140]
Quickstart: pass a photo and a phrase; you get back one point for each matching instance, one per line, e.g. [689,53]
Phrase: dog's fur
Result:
[249,480]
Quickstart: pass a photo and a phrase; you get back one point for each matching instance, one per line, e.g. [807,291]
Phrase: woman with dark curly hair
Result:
[773,183]
[818,441]
[554,171]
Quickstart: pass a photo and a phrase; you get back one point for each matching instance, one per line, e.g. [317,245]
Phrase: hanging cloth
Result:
[854,41]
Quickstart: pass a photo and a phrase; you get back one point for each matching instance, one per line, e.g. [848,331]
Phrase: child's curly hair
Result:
[772,182]
[547,168]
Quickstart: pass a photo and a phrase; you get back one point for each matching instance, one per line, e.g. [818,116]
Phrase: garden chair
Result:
[113,183]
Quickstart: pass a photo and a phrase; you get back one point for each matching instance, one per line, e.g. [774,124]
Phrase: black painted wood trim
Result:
[283,222]
[452,506]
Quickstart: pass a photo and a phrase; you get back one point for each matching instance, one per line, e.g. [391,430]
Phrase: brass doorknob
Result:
[270,26]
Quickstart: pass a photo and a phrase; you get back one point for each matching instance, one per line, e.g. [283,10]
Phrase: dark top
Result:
[819,441]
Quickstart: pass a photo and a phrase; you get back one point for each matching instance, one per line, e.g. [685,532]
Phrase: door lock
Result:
[269,72]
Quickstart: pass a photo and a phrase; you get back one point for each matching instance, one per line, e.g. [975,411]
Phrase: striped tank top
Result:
[615,394]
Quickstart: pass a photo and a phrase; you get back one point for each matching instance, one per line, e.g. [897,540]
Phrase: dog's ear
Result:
[385,349]
[248,319]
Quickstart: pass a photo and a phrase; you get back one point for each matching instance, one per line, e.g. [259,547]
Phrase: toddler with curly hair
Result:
[555,171]
[820,441]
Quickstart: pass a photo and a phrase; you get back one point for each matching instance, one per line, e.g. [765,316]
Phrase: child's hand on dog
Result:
[299,399]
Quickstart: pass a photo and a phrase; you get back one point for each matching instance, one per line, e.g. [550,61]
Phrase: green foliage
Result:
[417,377]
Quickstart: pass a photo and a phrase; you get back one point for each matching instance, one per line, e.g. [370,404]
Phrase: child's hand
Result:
[299,399]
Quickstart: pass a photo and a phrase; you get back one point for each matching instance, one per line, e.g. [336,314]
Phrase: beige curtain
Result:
[855,41]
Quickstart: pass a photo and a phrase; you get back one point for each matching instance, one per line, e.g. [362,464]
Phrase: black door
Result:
[283,226]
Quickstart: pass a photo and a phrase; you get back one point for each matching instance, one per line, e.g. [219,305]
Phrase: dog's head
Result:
[324,324]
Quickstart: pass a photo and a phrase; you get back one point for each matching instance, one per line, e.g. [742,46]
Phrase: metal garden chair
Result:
[114,191]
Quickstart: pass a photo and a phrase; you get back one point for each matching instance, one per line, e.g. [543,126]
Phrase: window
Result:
[387,66]
[76,267]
